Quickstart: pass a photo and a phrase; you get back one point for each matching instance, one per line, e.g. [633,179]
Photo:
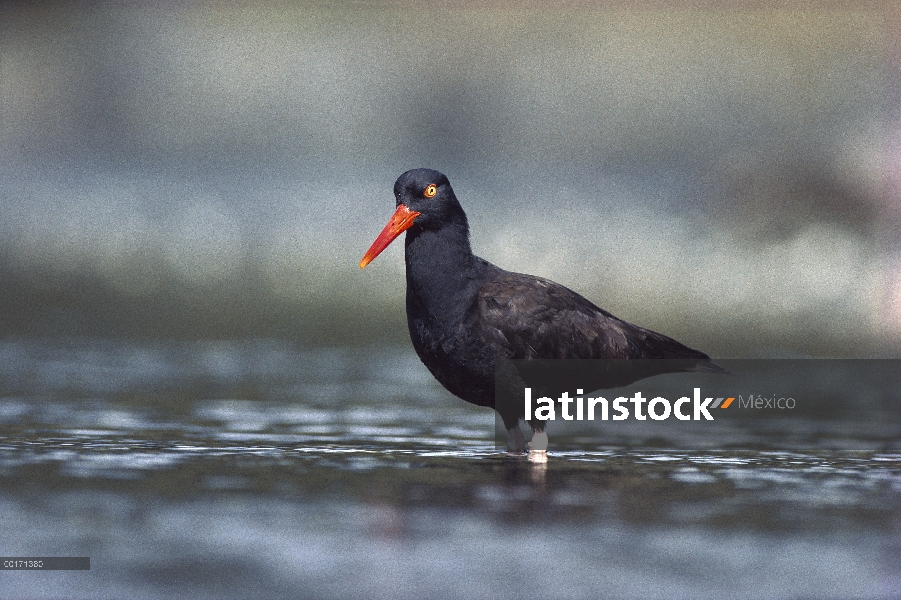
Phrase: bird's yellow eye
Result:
[430,190]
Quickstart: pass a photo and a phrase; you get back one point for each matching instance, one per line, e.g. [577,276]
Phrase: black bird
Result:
[464,312]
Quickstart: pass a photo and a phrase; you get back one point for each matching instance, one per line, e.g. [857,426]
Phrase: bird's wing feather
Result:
[532,317]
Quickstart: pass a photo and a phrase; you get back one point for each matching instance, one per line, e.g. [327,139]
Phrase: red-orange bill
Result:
[400,221]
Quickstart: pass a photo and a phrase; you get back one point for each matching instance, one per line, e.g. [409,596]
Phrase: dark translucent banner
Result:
[800,404]
[45,563]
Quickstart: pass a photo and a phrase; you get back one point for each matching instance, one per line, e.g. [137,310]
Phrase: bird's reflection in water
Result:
[528,469]
[537,462]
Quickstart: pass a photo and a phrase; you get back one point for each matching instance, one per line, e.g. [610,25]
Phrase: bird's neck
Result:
[442,272]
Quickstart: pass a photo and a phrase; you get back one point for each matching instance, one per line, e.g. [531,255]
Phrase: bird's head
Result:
[424,200]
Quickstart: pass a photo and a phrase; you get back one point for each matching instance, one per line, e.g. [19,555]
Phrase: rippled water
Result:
[261,469]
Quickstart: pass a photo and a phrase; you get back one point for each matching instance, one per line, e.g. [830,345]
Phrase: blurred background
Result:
[205,171]
[200,389]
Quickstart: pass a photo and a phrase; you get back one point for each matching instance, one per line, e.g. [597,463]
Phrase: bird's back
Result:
[525,316]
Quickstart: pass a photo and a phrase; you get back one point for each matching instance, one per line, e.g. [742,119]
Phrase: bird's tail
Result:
[708,366]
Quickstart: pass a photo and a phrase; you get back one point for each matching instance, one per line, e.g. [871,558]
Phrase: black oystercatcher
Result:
[464,313]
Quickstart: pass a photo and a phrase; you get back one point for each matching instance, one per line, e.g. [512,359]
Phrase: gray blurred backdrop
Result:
[199,170]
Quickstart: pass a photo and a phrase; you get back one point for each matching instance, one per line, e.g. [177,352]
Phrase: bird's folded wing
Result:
[532,317]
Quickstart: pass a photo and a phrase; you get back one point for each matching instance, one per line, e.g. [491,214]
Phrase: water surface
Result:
[263,469]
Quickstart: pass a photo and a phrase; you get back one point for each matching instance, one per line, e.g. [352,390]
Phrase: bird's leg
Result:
[538,445]
[516,443]
[539,441]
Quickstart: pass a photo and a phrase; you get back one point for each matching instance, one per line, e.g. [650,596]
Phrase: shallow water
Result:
[261,469]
